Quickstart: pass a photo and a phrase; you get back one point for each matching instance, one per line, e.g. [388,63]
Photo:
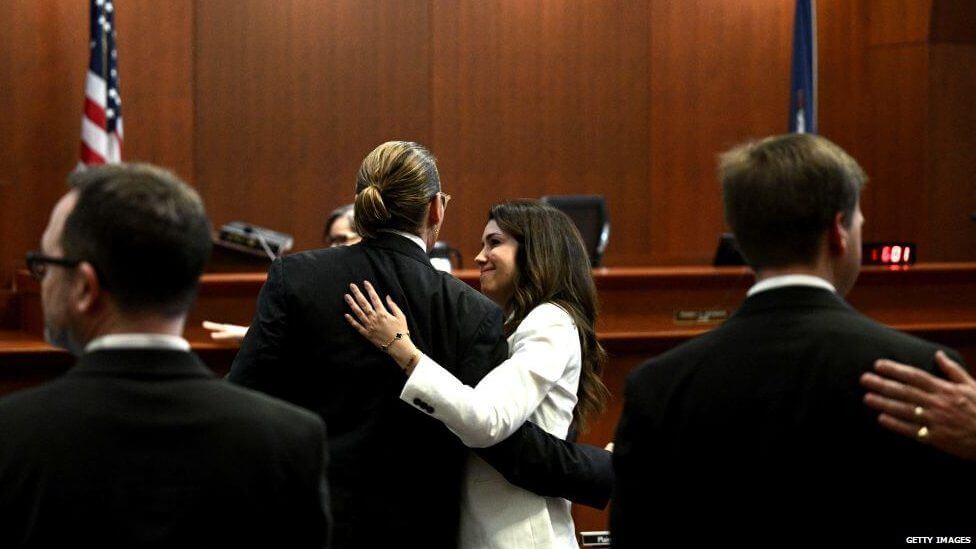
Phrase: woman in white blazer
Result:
[533,265]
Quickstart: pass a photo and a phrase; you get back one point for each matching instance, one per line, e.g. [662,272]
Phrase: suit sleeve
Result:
[505,398]
[549,466]
[258,363]
[531,458]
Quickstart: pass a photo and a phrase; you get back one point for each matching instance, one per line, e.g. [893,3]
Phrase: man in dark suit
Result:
[139,445]
[395,472]
[755,432]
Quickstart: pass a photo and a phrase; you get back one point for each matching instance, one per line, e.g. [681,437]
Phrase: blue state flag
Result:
[803,80]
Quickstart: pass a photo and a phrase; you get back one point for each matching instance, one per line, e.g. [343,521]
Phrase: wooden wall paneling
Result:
[47,56]
[842,75]
[898,21]
[720,74]
[291,95]
[156,81]
[6,95]
[953,21]
[951,163]
[269,107]
[9,304]
[535,98]
[896,98]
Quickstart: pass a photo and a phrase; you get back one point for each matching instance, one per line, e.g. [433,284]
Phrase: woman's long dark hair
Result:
[552,267]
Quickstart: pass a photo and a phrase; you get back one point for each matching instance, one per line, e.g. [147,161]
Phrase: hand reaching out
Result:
[225,332]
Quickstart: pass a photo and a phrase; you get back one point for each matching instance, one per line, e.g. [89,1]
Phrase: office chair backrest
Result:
[589,213]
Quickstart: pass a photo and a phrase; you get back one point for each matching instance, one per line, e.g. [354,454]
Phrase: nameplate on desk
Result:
[595,539]
[700,316]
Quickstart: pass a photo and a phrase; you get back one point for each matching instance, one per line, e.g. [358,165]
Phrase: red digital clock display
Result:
[888,253]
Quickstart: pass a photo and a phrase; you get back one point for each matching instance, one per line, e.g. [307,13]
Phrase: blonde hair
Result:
[395,183]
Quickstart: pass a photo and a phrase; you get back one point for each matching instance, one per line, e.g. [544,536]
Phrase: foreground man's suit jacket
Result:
[395,473]
[757,432]
[146,448]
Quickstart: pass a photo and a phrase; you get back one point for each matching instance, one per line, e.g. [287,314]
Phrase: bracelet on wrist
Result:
[397,337]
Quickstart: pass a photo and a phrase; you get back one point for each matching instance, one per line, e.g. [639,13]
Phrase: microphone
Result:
[254,240]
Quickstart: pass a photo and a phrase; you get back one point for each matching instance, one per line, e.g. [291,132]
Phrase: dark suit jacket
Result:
[757,431]
[394,471]
[146,448]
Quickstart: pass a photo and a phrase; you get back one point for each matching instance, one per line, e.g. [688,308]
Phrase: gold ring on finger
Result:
[923,433]
[919,411]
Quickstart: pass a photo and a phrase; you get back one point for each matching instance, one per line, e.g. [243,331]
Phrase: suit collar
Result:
[141,363]
[792,297]
[399,244]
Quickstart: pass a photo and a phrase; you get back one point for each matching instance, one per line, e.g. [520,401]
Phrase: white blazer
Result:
[537,383]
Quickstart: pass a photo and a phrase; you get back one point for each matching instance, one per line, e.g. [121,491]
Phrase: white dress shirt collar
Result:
[138,341]
[790,280]
[411,237]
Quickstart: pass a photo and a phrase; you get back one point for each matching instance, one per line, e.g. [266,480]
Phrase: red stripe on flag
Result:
[94,113]
[90,157]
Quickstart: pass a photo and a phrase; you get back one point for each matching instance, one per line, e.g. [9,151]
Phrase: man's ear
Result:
[435,211]
[838,240]
[86,291]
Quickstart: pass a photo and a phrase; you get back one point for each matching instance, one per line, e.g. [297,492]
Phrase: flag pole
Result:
[104,41]
[813,65]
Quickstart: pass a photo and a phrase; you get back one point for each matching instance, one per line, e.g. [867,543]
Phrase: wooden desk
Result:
[636,303]
[933,301]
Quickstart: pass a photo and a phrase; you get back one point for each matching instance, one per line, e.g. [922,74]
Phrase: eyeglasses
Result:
[37,263]
[445,198]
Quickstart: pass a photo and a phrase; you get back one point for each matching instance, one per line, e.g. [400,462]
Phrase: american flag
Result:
[101,123]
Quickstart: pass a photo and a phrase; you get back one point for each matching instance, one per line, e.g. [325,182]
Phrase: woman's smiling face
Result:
[497,263]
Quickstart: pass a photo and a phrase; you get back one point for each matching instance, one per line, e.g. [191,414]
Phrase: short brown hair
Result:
[395,183]
[781,194]
[144,231]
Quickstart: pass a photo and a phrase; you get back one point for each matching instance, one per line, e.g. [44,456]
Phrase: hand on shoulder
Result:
[916,404]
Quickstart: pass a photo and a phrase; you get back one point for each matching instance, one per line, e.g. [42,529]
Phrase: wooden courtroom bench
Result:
[639,310]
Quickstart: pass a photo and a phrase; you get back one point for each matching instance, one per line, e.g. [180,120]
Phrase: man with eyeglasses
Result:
[139,444]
